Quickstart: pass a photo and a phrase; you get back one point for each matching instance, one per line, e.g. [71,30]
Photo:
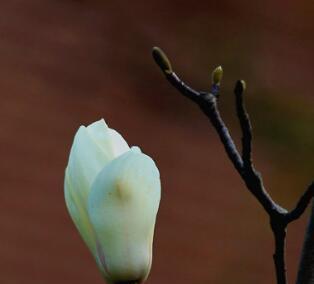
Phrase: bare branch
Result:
[306,266]
[301,205]
[279,231]
[164,64]
[208,104]
[245,124]
[279,216]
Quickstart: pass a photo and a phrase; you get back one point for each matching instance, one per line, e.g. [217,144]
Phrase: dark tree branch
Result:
[163,62]
[208,103]
[301,205]
[279,216]
[306,269]
[182,87]
[279,230]
[245,125]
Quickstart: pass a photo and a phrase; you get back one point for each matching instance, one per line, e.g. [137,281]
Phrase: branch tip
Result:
[217,75]
[162,60]
[240,87]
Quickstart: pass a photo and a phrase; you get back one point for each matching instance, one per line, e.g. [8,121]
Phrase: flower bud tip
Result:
[243,85]
[240,86]
[217,75]
[162,60]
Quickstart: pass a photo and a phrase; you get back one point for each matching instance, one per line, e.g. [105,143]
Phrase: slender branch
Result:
[245,125]
[302,204]
[306,266]
[182,87]
[279,216]
[163,62]
[208,103]
[279,255]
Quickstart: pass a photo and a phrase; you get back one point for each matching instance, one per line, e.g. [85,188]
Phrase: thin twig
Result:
[279,216]
[279,255]
[208,103]
[302,204]
[245,125]
[306,266]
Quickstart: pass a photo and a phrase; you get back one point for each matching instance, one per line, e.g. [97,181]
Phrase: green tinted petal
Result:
[107,139]
[85,162]
[122,207]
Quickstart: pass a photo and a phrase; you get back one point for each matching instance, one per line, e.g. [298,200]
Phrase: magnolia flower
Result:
[112,193]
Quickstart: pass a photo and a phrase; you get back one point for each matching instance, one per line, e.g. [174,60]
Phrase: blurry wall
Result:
[65,63]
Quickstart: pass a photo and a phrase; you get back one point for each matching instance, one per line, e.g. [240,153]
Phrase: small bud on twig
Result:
[217,75]
[162,60]
[279,217]
[240,87]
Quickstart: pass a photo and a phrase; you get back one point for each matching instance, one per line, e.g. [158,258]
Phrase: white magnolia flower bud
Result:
[112,193]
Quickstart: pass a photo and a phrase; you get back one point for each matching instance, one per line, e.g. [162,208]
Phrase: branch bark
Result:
[306,266]
[208,102]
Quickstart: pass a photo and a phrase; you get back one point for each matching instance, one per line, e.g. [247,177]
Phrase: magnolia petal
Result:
[79,215]
[85,162]
[107,139]
[136,149]
[118,144]
[122,207]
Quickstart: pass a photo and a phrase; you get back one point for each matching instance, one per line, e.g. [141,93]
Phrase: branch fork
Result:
[279,217]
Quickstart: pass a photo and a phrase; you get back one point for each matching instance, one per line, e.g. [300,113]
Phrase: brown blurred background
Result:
[65,63]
